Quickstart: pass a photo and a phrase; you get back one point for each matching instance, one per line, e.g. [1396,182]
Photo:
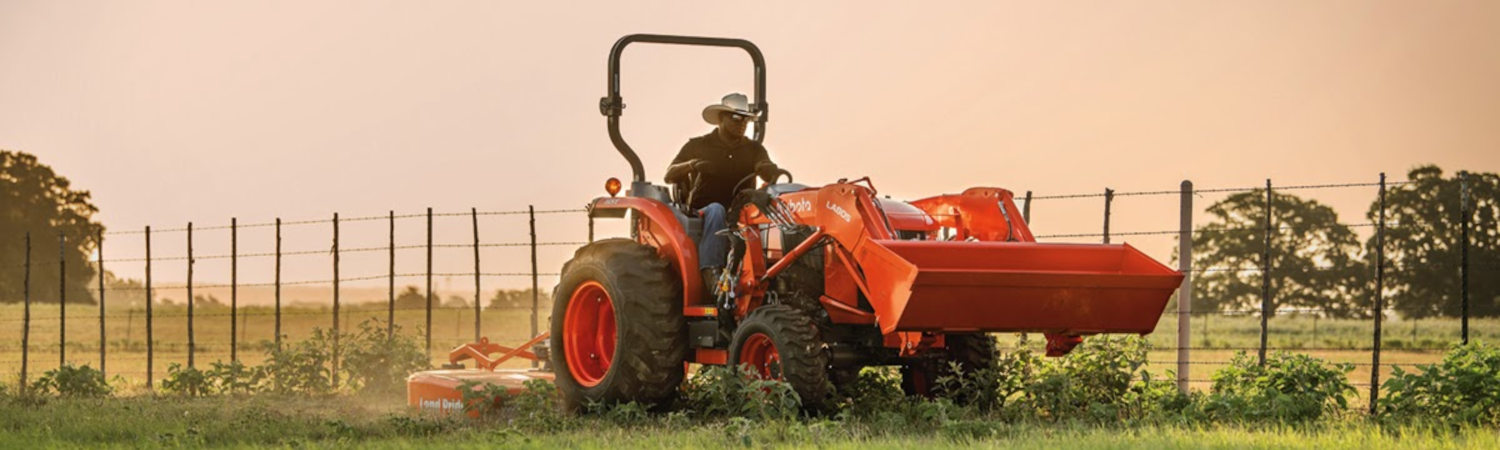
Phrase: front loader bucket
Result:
[1070,289]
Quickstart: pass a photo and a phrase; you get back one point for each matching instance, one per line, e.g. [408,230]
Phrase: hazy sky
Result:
[177,111]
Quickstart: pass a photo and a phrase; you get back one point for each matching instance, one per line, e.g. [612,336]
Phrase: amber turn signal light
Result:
[612,186]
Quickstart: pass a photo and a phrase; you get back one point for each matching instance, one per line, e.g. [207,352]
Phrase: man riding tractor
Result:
[712,165]
[818,281]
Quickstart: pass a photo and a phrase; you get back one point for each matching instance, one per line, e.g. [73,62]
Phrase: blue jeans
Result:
[713,249]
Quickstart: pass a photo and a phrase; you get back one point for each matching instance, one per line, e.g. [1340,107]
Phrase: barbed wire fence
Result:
[1181,319]
[186,316]
[1266,232]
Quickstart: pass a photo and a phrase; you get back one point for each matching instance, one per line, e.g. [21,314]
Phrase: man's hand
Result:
[700,165]
[767,171]
[679,173]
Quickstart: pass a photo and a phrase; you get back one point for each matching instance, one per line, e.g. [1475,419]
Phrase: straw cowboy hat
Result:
[735,103]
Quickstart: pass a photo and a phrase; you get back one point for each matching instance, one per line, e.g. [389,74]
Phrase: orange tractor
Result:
[823,280]
[820,282]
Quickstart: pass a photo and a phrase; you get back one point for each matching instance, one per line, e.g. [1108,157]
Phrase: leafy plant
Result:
[72,381]
[374,360]
[233,377]
[483,399]
[1103,380]
[188,381]
[1463,389]
[723,392]
[1287,388]
[992,388]
[875,390]
[302,367]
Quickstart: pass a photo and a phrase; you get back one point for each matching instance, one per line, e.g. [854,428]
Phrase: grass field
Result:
[146,421]
[136,418]
[1214,338]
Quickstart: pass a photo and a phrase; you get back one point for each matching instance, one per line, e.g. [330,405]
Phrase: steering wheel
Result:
[751,177]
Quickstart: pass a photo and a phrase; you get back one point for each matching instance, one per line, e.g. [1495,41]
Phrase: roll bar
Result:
[612,105]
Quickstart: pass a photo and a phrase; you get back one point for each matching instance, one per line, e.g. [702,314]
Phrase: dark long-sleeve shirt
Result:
[727,165]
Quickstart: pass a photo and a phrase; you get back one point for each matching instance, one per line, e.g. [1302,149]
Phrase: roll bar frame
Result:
[612,106]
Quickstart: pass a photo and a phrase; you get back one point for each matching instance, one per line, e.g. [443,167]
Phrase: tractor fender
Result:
[657,226]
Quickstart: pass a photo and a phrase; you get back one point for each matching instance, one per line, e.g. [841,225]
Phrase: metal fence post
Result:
[429,283]
[474,215]
[234,289]
[1026,210]
[26,316]
[1185,293]
[535,295]
[1463,266]
[590,214]
[99,246]
[1109,198]
[390,306]
[277,284]
[62,300]
[1265,279]
[335,377]
[192,341]
[150,337]
[1379,298]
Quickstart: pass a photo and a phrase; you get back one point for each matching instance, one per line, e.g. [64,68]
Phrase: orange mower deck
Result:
[440,391]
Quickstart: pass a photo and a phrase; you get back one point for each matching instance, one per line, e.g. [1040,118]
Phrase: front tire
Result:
[780,343]
[618,334]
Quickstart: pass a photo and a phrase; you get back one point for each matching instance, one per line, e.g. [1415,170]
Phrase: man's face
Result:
[732,126]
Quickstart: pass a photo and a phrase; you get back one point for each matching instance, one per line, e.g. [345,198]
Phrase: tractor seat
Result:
[692,224]
[782,188]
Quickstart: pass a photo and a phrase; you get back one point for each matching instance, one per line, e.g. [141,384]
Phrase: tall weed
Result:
[723,392]
[376,361]
[1103,380]
[302,367]
[186,381]
[1289,388]
[1463,389]
[72,381]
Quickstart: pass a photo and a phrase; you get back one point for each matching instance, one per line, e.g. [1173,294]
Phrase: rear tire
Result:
[618,333]
[779,342]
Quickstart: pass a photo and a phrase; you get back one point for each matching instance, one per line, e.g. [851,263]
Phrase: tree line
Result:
[1319,265]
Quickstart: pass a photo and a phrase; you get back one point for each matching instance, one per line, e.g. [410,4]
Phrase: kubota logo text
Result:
[801,205]
[840,211]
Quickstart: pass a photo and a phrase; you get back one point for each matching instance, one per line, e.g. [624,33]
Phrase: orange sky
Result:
[177,111]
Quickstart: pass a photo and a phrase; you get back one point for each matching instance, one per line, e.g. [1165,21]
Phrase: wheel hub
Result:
[589,333]
[760,354]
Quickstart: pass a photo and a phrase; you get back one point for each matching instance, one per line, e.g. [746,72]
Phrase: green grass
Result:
[254,421]
[126,344]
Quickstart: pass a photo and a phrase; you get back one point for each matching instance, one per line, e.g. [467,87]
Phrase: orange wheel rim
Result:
[759,352]
[589,333]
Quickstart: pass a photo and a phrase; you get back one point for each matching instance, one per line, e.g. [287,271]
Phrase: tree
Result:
[516,299]
[1422,244]
[411,299]
[123,291]
[1313,257]
[34,199]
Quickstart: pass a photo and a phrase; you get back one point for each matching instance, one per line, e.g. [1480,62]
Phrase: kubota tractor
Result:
[823,280]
